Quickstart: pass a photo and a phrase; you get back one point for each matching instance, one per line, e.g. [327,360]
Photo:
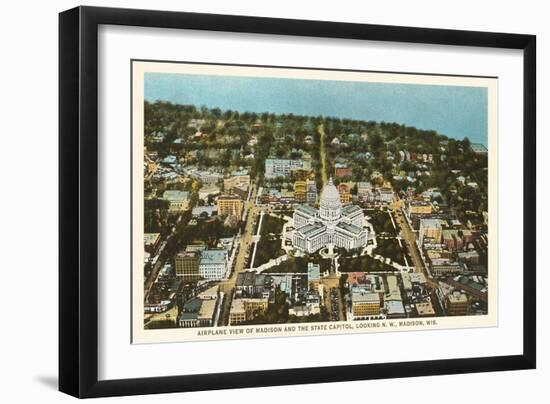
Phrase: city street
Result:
[245,240]
[321,130]
[410,239]
[332,282]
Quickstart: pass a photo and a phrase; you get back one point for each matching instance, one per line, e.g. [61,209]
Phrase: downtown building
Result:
[213,265]
[187,265]
[275,167]
[230,205]
[178,200]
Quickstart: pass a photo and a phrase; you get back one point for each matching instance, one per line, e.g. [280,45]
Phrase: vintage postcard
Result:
[271,201]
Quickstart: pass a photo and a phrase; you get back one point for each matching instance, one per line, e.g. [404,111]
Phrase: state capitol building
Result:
[329,226]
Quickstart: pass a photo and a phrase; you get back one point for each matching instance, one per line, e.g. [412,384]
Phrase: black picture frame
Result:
[78,200]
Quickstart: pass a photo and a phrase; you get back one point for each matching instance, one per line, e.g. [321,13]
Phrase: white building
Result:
[179,200]
[331,225]
[281,167]
[213,264]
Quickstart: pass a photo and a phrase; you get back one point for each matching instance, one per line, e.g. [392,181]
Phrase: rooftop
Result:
[151,238]
[188,254]
[213,257]
[210,293]
[430,223]
[364,297]
[478,148]
[228,198]
[274,160]
[239,173]
[207,309]
[470,283]
[307,210]
[457,297]
[395,307]
[419,203]
[425,309]
[417,277]
[169,159]
[349,209]
[246,279]
[311,229]
[349,228]
[174,195]
[362,278]
[209,210]
[313,271]
[195,247]
[450,233]
[209,188]
[192,306]
[237,306]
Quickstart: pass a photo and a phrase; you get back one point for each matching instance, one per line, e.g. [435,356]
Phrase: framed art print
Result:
[245,199]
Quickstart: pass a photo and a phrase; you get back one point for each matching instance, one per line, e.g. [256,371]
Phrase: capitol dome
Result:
[330,205]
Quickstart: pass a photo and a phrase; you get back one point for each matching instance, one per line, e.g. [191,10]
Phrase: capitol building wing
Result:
[329,226]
